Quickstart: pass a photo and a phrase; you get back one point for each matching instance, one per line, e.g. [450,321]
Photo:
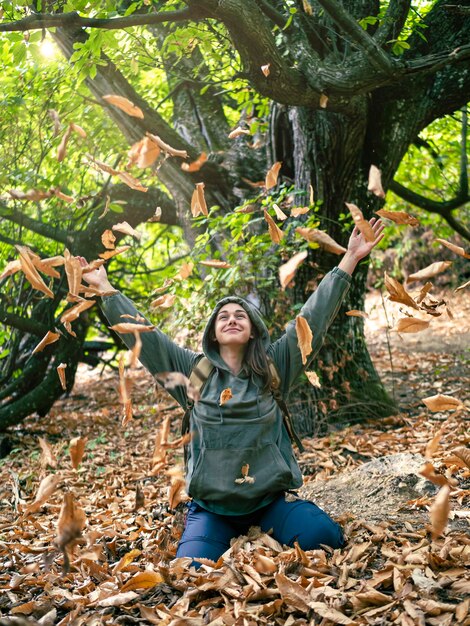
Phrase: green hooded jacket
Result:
[249,428]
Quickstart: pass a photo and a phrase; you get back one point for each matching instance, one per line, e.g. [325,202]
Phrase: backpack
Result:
[201,373]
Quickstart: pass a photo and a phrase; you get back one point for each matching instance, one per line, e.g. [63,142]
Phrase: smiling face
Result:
[232,325]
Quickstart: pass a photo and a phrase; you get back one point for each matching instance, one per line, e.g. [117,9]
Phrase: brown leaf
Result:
[46,488]
[246,478]
[356,313]
[411,325]
[236,132]
[375,182]
[143,153]
[272,175]
[59,194]
[11,268]
[72,520]
[464,454]
[362,224]
[464,286]
[313,379]
[299,210]
[457,249]
[321,238]
[429,472]
[125,105]
[107,239]
[124,227]
[164,302]
[131,181]
[215,263]
[73,271]
[79,130]
[225,396]
[77,450]
[185,270]
[275,232]
[32,195]
[287,270]
[74,312]
[55,120]
[323,102]
[61,372]
[399,217]
[397,292]
[430,271]
[307,7]
[110,253]
[143,580]
[139,498]
[166,148]
[31,272]
[48,458]
[279,212]
[433,444]
[304,337]
[129,327]
[196,165]
[177,493]
[118,599]
[126,560]
[62,149]
[198,201]
[50,337]
[439,512]
[170,380]
[440,402]
[265,69]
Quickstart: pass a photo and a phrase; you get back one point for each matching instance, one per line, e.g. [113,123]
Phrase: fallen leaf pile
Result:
[89,498]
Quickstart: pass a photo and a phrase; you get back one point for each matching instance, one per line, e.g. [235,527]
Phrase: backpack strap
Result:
[198,378]
[276,391]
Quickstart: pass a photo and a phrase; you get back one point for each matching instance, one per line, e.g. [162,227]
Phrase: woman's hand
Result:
[359,247]
[96,278]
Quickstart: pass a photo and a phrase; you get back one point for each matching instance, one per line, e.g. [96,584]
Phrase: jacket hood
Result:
[210,347]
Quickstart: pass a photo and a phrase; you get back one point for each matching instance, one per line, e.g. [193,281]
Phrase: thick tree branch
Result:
[393,21]
[73,20]
[274,15]
[444,209]
[22,323]
[376,56]
[46,230]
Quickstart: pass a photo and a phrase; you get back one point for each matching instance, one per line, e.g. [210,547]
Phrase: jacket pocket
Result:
[238,478]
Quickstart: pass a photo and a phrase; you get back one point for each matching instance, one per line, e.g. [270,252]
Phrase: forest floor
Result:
[123,491]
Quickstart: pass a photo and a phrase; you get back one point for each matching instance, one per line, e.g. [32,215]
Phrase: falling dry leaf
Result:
[74,312]
[265,69]
[59,194]
[48,458]
[167,148]
[170,380]
[464,454]
[362,224]
[457,249]
[157,216]
[429,472]
[288,270]
[299,210]
[31,273]
[139,498]
[272,175]
[439,512]
[50,337]
[110,253]
[323,102]
[125,105]
[375,182]
[399,217]
[397,292]
[196,165]
[430,271]
[198,201]
[215,263]
[246,478]
[33,195]
[61,372]
[356,313]
[411,325]
[236,132]
[307,7]
[73,271]
[62,149]
[46,488]
[177,492]
[79,130]
[163,302]
[143,153]
[77,450]
[72,520]
[464,286]
[225,396]
[313,379]
[279,212]
[321,238]
[275,232]
[304,337]
[124,227]
[185,270]
[442,402]
[10,268]
[129,327]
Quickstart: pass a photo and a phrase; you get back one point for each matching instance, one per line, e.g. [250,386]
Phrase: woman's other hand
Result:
[96,278]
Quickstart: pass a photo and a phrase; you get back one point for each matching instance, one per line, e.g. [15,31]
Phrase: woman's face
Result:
[232,325]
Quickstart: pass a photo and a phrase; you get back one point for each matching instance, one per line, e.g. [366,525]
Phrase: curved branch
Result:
[22,323]
[73,20]
[51,232]
[444,209]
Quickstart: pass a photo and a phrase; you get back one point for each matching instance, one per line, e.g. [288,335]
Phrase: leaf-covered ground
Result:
[121,566]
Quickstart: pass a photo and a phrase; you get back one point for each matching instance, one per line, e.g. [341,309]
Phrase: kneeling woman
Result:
[241,464]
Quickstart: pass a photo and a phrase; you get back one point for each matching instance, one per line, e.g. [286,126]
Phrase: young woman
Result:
[241,464]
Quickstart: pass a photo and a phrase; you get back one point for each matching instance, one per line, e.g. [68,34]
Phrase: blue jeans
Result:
[207,535]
